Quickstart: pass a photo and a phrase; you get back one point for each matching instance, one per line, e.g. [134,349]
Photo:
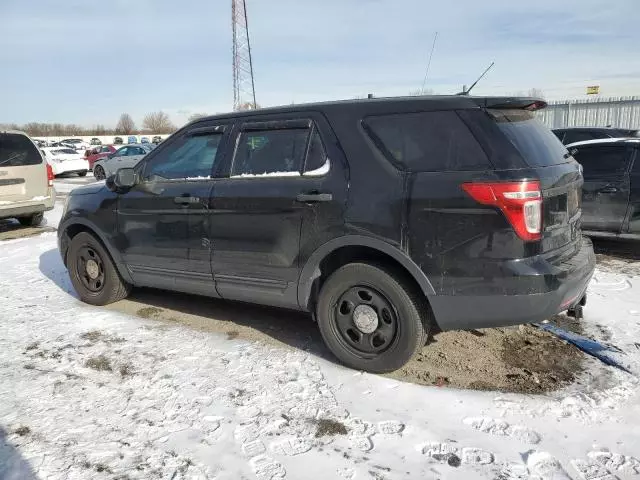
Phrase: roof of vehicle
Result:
[444,102]
[580,129]
[18,132]
[61,147]
[604,141]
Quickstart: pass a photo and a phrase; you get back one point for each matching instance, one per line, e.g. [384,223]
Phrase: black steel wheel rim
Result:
[361,341]
[99,173]
[90,269]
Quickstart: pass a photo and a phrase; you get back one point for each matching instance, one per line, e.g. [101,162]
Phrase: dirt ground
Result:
[516,359]
[10,229]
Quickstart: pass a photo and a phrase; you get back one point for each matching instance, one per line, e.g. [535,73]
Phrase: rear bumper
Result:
[70,166]
[568,281]
[29,207]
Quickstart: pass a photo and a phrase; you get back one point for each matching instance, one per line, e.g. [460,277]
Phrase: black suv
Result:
[387,219]
[583,134]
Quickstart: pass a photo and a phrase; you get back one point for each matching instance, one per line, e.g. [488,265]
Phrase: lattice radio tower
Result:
[244,93]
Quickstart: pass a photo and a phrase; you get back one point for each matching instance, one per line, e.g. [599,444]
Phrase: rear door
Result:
[283,196]
[23,174]
[606,185]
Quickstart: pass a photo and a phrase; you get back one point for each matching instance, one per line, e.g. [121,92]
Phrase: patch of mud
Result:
[519,359]
[12,230]
[326,427]
[617,256]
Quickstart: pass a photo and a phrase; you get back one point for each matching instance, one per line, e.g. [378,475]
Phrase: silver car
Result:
[125,157]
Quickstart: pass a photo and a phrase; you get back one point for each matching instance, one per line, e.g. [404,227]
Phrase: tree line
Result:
[155,122]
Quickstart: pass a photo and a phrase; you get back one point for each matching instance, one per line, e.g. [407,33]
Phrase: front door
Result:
[279,186]
[163,221]
[605,193]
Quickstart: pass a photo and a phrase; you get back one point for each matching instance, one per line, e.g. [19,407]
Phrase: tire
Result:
[32,220]
[108,286]
[82,174]
[98,173]
[403,318]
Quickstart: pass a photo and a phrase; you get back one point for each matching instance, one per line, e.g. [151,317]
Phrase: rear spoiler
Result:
[510,103]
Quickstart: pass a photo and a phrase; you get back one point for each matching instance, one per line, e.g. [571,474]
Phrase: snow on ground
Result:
[89,393]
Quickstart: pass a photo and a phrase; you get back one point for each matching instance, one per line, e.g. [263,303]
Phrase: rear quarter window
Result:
[18,151]
[427,141]
[537,145]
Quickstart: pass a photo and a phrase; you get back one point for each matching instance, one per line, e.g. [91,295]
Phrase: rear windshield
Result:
[536,143]
[427,141]
[17,151]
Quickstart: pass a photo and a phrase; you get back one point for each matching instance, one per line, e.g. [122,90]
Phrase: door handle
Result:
[314,197]
[609,189]
[186,200]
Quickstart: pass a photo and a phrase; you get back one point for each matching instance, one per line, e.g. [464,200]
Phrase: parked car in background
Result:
[26,180]
[66,160]
[98,153]
[95,141]
[117,141]
[75,143]
[156,140]
[132,140]
[310,209]
[611,190]
[39,143]
[582,134]
[127,156]
[144,140]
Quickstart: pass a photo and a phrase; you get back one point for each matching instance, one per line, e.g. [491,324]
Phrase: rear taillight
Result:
[50,175]
[521,203]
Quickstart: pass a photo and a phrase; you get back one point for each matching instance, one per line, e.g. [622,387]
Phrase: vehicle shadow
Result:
[622,249]
[235,319]
[12,465]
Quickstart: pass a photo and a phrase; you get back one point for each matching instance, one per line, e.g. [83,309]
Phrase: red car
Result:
[97,153]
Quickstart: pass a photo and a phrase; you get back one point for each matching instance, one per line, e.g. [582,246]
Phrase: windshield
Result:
[535,142]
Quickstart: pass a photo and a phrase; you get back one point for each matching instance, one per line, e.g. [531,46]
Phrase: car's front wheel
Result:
[371,318]
[93,273]
[98,173]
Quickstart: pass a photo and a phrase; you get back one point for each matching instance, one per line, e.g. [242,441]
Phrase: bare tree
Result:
[125,125]
[248,106]
[419,92]
[197,116]
[535,93]
[158,122]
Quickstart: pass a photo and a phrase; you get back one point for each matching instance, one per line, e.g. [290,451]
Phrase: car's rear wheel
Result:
[371,318]
[98,173]
[32,220]
[93,273]
[82,174]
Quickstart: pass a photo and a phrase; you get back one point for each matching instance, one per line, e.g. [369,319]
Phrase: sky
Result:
[88,61]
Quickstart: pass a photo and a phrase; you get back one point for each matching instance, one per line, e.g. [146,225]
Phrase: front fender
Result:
[311,269]
[88,225]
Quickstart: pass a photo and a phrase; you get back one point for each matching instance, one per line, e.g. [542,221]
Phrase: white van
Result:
[26,179]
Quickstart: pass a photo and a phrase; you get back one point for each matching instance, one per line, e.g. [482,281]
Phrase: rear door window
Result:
[599,160]
[17,150]
[277,152]
[536,143]
[427,141]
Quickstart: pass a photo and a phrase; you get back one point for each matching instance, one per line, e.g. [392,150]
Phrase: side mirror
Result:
[123,180]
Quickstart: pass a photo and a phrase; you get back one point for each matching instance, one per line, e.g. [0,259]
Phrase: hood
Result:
[89,189]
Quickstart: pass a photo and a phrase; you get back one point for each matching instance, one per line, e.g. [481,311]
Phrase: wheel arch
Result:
[76,225]
[332,255]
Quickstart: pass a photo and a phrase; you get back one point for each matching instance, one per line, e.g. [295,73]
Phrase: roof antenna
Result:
[426,74]
[465,91]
